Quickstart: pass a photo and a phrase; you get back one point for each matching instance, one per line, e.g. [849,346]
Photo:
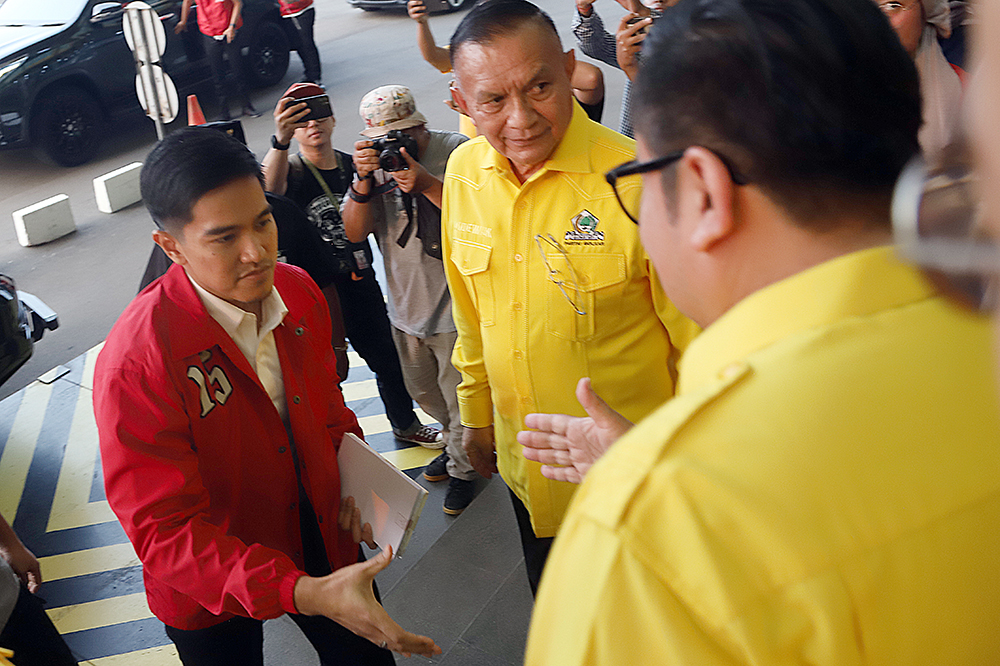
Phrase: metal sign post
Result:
[147,39]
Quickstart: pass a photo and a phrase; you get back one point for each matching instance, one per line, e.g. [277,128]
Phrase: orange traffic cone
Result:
[195,116]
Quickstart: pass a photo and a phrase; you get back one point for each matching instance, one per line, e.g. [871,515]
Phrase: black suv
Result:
[65,69]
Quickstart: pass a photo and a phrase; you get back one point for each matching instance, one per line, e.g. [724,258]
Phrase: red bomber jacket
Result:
[197,463]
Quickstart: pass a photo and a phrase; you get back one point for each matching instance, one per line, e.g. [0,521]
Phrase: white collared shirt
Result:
[256,343]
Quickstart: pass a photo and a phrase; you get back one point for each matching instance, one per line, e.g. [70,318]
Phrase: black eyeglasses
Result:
[626,177]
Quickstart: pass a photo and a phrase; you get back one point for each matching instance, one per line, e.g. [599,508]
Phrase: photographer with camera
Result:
[397,197]
[316,179]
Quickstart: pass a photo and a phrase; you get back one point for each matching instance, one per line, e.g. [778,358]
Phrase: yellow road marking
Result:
[165,655]
[416,456]
[366,388]
[100,613]
[20,446]
[87,380]
[88,561]
[71,505]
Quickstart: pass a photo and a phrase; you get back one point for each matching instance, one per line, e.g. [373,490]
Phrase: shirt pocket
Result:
[472,260]
[591,282]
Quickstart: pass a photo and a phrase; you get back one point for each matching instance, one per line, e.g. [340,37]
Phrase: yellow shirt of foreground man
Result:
[825,490]
[521,345]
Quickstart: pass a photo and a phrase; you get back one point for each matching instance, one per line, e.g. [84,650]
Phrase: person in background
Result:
[219,23]
[823,489]
[24,626]
[919,24]
[317,179]
[587,80]
[300,16]
[619,50]
[406,222]
[547,277]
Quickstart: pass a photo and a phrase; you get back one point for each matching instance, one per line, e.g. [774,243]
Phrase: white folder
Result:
[389,499]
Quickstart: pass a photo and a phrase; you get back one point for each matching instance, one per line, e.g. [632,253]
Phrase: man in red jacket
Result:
[219,419]
[301,16]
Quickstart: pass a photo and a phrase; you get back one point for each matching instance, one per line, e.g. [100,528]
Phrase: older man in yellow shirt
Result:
[825,487]
[548,280]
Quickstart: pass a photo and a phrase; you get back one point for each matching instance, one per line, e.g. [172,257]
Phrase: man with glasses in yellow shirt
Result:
[548,280]
[825,487]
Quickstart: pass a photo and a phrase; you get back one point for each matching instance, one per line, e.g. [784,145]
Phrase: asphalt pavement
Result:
[89,276]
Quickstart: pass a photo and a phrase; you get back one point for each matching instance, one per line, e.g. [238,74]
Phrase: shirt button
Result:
[299,331]
[281,449]
[296,399]
[292,507]
[518,257]
[517,353]
[319,518]
[732,370]
[525,399]
[516,306]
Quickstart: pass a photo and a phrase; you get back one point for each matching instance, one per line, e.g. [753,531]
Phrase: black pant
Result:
[240,640]
[218,51]
[536,549]
[303,27]
[366,323]
[32,636]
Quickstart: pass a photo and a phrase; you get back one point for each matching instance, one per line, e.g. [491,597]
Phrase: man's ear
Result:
[706,190]
[458,98]
[570,63]
[170,246]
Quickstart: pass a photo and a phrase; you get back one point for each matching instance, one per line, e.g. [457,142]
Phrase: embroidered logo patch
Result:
[215,384]
[585,230]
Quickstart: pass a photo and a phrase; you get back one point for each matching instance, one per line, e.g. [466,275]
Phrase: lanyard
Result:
[322,181]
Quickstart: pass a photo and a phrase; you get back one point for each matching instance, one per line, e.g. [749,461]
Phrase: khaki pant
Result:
[432,382]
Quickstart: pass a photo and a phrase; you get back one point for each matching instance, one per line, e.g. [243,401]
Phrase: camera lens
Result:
[391,160]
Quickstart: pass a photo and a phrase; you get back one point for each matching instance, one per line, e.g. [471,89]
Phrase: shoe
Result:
[437,469]
[250,112]
[425,436]
[460,493]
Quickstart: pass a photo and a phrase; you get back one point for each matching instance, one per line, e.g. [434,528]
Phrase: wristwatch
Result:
[277,145]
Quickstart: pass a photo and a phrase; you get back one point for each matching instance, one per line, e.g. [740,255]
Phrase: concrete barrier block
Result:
[118,189]
[44,221]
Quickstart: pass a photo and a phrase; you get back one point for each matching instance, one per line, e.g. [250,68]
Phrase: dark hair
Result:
[814,101]
[490,19]
[185,166]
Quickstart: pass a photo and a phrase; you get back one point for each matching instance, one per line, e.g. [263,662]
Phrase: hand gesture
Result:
[230,34]
[287,118]
[365,158]
[567,446]
[628,42]
[346,597]
[23,562]
[415,178]
[481,449]
[350,521]
[417,10]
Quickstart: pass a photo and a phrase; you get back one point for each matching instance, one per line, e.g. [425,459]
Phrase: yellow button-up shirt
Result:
[825,489]
[521,260]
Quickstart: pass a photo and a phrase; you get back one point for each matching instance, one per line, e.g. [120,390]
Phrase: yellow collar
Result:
[855,284]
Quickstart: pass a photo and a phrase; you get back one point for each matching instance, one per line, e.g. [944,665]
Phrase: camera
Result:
[388,148]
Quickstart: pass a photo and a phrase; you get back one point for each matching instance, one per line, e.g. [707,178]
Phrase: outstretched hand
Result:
[346,597]
[567,446]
